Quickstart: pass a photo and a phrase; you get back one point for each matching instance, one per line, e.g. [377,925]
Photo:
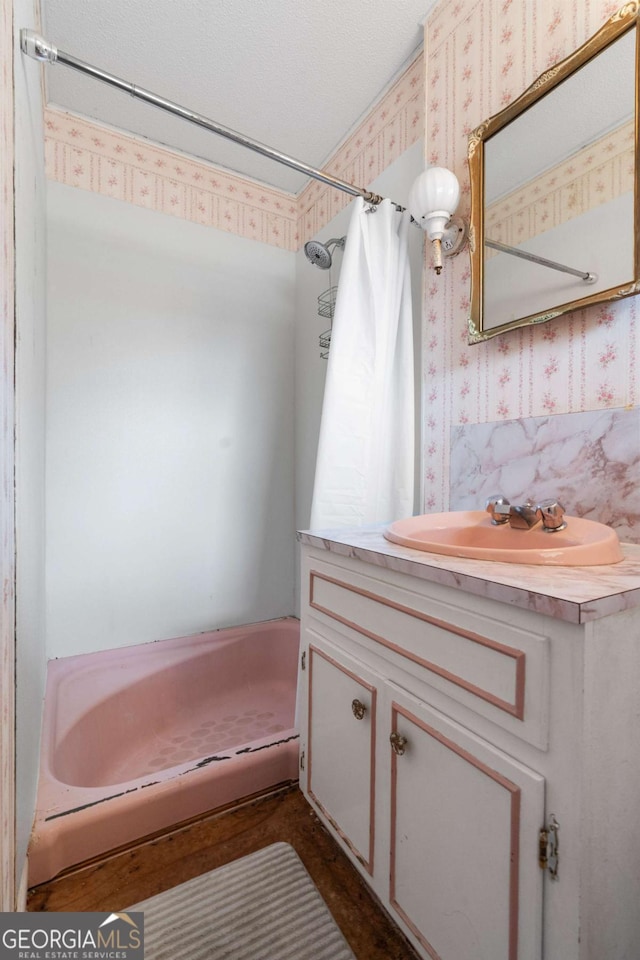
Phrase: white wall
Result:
[30,425]
[395,183]
[170,426]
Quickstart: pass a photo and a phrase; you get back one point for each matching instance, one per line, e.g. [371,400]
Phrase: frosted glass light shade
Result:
[434,199]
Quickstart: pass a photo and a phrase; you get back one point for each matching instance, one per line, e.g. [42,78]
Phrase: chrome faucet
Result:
[526,515]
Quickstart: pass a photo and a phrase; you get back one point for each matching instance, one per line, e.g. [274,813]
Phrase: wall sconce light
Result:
[433,200]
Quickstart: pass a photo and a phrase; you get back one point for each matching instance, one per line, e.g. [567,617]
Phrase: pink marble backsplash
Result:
[590,461]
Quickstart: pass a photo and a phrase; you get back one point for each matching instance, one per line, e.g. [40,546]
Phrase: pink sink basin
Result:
[470,533]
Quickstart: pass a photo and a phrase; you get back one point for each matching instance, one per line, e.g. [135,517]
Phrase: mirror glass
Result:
[554,222]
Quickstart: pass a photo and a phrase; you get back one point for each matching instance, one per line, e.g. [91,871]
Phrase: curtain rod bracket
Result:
[37,47]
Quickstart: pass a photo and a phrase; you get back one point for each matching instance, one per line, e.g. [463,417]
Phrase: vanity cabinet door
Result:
[464,873]
[341,748]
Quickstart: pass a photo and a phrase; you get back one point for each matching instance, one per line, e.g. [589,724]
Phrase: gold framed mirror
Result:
[555,217]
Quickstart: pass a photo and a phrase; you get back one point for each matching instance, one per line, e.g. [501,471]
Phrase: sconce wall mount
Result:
[433,200]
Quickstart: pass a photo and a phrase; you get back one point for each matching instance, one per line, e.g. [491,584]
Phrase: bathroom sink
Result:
[470,533]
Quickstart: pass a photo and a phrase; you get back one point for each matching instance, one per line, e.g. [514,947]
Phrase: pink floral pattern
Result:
[478,59]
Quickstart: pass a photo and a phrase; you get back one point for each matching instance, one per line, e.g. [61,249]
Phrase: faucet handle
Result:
[551,512]
[498,506]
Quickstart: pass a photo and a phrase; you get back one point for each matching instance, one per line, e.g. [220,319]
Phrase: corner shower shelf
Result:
[326,306]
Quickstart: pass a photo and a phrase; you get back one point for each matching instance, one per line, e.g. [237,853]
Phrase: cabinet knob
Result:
[398,742]
[358,709]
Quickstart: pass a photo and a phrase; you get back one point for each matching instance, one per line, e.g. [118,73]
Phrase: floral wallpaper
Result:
[85,154]
[480,55]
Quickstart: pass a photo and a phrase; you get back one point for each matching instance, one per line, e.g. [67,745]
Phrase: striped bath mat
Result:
[261,907]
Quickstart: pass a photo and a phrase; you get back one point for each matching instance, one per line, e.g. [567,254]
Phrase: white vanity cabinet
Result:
[441,730]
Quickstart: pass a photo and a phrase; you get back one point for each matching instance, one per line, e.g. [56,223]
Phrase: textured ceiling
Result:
[293,74]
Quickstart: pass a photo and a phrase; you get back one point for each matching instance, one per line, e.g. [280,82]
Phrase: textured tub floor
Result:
[199,737]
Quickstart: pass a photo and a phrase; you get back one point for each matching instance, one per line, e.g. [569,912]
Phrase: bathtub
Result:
[141,738]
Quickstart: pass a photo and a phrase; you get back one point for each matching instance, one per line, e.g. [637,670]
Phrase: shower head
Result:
[318,253]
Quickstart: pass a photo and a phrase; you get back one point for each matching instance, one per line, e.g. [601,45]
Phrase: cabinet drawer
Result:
[498,670]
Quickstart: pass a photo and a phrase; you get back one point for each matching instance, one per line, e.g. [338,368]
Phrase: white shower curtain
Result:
[365,462]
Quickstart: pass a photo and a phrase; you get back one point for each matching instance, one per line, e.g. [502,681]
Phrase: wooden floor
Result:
[149,868]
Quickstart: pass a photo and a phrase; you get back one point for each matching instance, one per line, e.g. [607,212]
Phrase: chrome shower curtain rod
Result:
[38,48]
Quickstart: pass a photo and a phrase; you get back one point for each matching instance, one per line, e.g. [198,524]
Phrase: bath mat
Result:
[261,907]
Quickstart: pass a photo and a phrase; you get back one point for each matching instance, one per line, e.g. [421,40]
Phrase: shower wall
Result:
[169,426]
[173,288]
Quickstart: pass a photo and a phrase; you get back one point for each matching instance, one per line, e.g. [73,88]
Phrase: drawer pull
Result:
[358,709]
[398,742]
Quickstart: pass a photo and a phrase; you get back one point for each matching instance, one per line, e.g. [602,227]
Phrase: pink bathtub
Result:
[140,738]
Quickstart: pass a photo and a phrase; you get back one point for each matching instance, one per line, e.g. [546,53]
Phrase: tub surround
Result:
[146,400]
[573,594]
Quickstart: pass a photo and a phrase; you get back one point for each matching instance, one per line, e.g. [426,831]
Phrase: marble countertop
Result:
[574,594]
